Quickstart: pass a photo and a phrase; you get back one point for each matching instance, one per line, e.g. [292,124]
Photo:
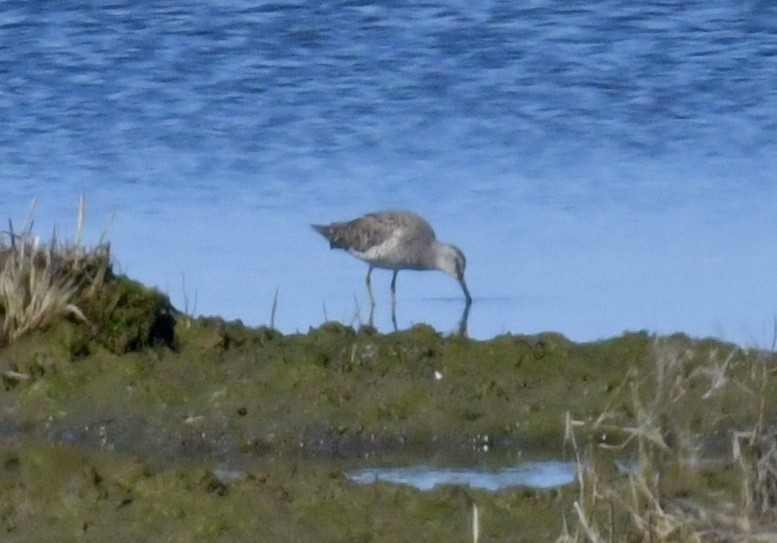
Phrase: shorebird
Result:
[396,240]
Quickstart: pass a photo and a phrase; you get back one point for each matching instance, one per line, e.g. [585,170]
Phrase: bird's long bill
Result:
[467,297]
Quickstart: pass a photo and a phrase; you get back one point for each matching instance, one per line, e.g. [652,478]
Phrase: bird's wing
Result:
[375,229]
[367,232]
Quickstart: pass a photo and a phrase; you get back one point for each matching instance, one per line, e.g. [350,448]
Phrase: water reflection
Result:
[544,474]
[461,328]
[464,318]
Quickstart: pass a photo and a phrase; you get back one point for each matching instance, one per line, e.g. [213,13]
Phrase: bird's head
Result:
[452,261]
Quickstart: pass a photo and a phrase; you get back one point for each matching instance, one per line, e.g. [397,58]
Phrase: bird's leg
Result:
[369,287]
[394,289]
[467,297]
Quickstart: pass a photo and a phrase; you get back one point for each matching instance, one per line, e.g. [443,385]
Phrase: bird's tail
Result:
[328,231]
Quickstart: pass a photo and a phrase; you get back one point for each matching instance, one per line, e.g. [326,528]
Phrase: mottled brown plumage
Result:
[396,240]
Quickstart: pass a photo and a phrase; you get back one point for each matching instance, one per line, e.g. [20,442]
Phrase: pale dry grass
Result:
[40,281]
[632,506]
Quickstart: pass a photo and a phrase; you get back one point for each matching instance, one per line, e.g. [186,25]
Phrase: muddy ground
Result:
[213,431]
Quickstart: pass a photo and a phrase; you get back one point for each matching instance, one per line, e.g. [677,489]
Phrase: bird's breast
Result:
[391,254]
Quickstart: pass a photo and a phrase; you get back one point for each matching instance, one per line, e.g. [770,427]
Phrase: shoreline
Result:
[127,410]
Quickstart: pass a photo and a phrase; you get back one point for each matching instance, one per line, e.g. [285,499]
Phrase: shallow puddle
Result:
[536,474]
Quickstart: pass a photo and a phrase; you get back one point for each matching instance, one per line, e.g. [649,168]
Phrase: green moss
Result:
[127,316]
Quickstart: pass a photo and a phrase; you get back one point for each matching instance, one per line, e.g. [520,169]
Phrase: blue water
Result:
[605,165]
[537,474]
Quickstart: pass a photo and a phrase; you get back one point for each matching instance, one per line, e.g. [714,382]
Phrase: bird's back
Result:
[388,239]
[375,229]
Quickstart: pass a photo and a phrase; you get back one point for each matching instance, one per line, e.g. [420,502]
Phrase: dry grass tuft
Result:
[644,504]
[756,455]
[40,281]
